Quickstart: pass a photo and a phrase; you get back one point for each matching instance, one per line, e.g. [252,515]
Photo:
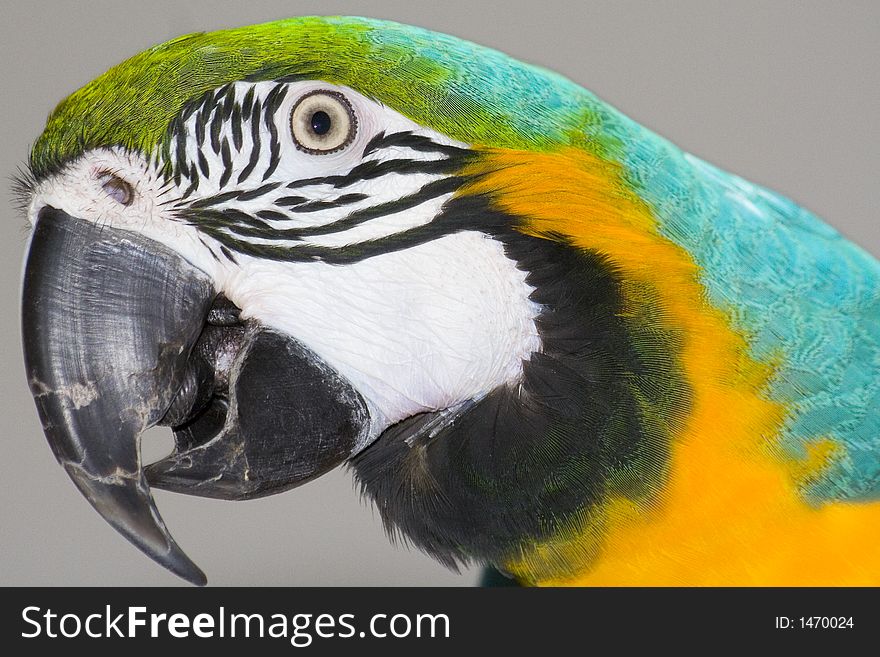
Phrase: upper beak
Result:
[109,319]
[120,334]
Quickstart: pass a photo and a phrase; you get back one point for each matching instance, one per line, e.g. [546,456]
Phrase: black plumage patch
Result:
[592,417]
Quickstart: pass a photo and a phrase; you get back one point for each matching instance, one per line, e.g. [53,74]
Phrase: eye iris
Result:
[320,123]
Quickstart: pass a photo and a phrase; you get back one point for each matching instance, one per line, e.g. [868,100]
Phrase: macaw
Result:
[543,338]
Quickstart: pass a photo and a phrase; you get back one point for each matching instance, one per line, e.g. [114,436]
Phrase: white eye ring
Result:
[322,122]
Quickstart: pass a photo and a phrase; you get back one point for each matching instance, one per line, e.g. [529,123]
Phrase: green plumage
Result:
[417,72]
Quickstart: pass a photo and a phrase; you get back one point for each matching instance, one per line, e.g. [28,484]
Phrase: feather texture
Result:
[705,408]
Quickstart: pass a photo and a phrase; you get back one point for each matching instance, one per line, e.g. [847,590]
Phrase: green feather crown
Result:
[471,93]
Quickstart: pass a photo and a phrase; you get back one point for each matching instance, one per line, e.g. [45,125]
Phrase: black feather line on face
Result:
[290,201]
[203,165]
[235,195]
[203,116]
[407,139]
[376,169]
[200,133]
[194,185]
[216,126]
[592,417]
[235,120]
[228,102]
[223,93]
[273,102]
[255,142]
[228,254]
[373,144]
[221,225]
[226,156]
[271,215]
[190,108]
[248,102]
[242,225]
[258,192]
[317,206]
[181,168]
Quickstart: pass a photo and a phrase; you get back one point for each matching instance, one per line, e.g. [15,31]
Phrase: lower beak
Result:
[109,319]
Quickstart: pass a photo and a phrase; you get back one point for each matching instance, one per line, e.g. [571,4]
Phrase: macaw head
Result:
[330,240]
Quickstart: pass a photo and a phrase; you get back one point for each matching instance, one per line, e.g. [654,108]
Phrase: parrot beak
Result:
[121,334]
[109,319]
[283,418]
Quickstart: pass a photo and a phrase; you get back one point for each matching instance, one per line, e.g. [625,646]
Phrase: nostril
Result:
[116,188]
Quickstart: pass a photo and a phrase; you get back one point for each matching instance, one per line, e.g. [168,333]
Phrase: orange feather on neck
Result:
[730,510]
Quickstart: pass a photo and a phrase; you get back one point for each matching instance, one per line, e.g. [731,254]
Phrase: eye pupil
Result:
[320,123]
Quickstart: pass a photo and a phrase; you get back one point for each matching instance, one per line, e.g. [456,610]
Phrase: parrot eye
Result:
[322,122]
[116,188]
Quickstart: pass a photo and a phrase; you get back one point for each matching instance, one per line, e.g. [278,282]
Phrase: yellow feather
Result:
[730,512]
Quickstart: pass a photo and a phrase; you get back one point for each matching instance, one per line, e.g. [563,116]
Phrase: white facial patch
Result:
[77,190]
[417,328]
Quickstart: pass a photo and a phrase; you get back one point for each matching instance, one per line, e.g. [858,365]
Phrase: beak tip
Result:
[172,557]
[182,566]
[127,505]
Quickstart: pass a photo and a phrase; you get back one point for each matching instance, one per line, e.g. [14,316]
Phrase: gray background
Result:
[785,94]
